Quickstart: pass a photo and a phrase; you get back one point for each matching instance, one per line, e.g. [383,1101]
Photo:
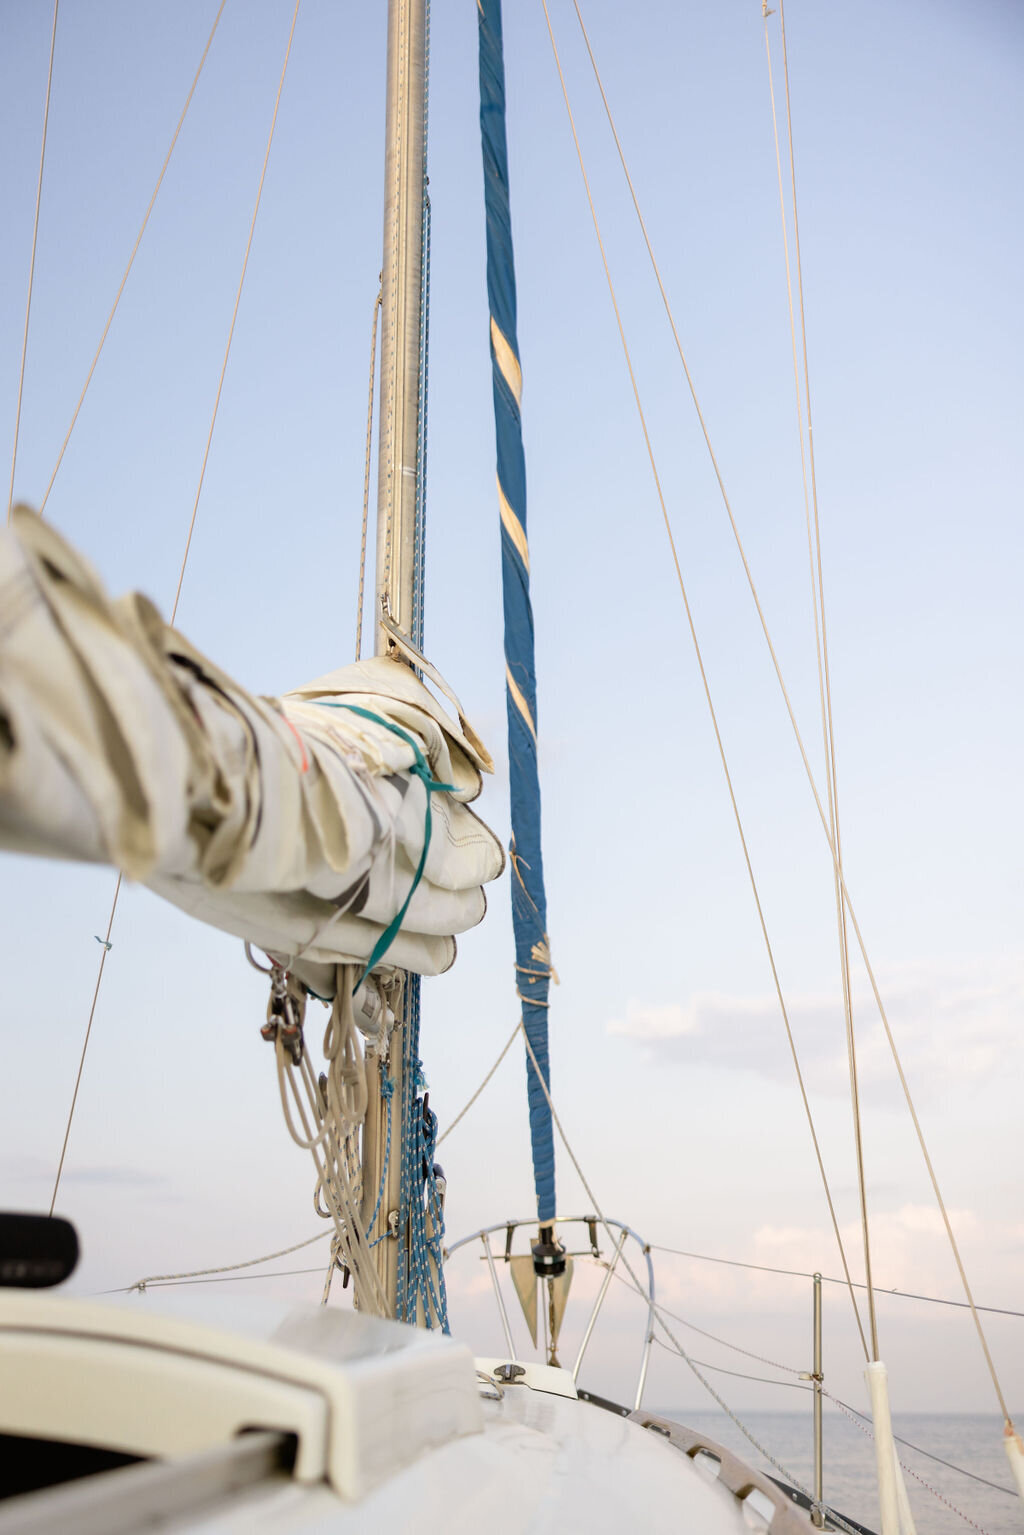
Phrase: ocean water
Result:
[955,1502]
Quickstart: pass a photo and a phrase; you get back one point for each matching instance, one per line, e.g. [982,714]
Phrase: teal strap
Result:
[420,770]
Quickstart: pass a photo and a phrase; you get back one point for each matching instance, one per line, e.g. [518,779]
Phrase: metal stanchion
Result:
[817,1517]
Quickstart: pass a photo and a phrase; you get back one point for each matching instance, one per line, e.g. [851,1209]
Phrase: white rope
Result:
[366,478]
[467,1106]
[335,1187]
[32,263]
[332,1264]
[324,1120]
[227,1268]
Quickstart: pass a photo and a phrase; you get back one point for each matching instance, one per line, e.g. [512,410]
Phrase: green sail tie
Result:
[421,770]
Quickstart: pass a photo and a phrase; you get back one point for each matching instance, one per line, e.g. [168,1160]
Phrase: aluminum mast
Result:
[398,578]
[401,318]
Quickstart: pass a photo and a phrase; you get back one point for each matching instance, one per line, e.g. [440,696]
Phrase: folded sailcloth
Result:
[297,823]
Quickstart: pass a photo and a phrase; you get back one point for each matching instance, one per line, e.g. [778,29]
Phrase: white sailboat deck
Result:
[382,1423]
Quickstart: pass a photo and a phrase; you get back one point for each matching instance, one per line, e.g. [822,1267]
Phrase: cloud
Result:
[948,1027]
[910,1254]
[123,1177]
[909,1251]
[463,1284]
[37,1170]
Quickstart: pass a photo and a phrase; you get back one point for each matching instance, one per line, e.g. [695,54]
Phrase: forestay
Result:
[529,904]
[296,823]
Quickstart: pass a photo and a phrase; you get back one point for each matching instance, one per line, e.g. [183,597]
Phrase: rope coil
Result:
[323,1117]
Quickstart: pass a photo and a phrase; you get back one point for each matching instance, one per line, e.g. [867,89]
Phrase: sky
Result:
[670,1068]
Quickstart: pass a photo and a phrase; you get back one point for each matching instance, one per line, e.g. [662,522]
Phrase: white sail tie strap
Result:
[415,656]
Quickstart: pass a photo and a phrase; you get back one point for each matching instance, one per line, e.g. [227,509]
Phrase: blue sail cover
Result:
[529,908]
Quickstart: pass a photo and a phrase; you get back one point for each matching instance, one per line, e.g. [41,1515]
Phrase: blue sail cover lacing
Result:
[421,1288]
[529,907]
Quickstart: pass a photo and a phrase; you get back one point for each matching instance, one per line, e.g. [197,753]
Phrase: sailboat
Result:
[586,631]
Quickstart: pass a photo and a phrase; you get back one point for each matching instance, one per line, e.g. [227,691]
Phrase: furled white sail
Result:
[294,822]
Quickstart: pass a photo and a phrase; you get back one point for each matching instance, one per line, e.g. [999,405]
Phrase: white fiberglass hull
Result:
[388,1427]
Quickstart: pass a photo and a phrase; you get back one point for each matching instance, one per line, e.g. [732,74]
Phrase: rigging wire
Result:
[690,620]
[847,899]
[169,1284]
[106,946]
[774,1364]
[238,300]
[32,261]
[658,1313]
[131,259]
[821,647]
[793,1385]
[799,1386]
[720,1369]
[224,1268]
[867,1430]
[467,1106]
[997,1486]
[831,755]
[678,1252]
[655,1309]
[199,489]
[764,1268]
[366,476]
[199,1276]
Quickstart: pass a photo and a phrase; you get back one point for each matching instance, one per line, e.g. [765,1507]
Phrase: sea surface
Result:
[944,1501]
